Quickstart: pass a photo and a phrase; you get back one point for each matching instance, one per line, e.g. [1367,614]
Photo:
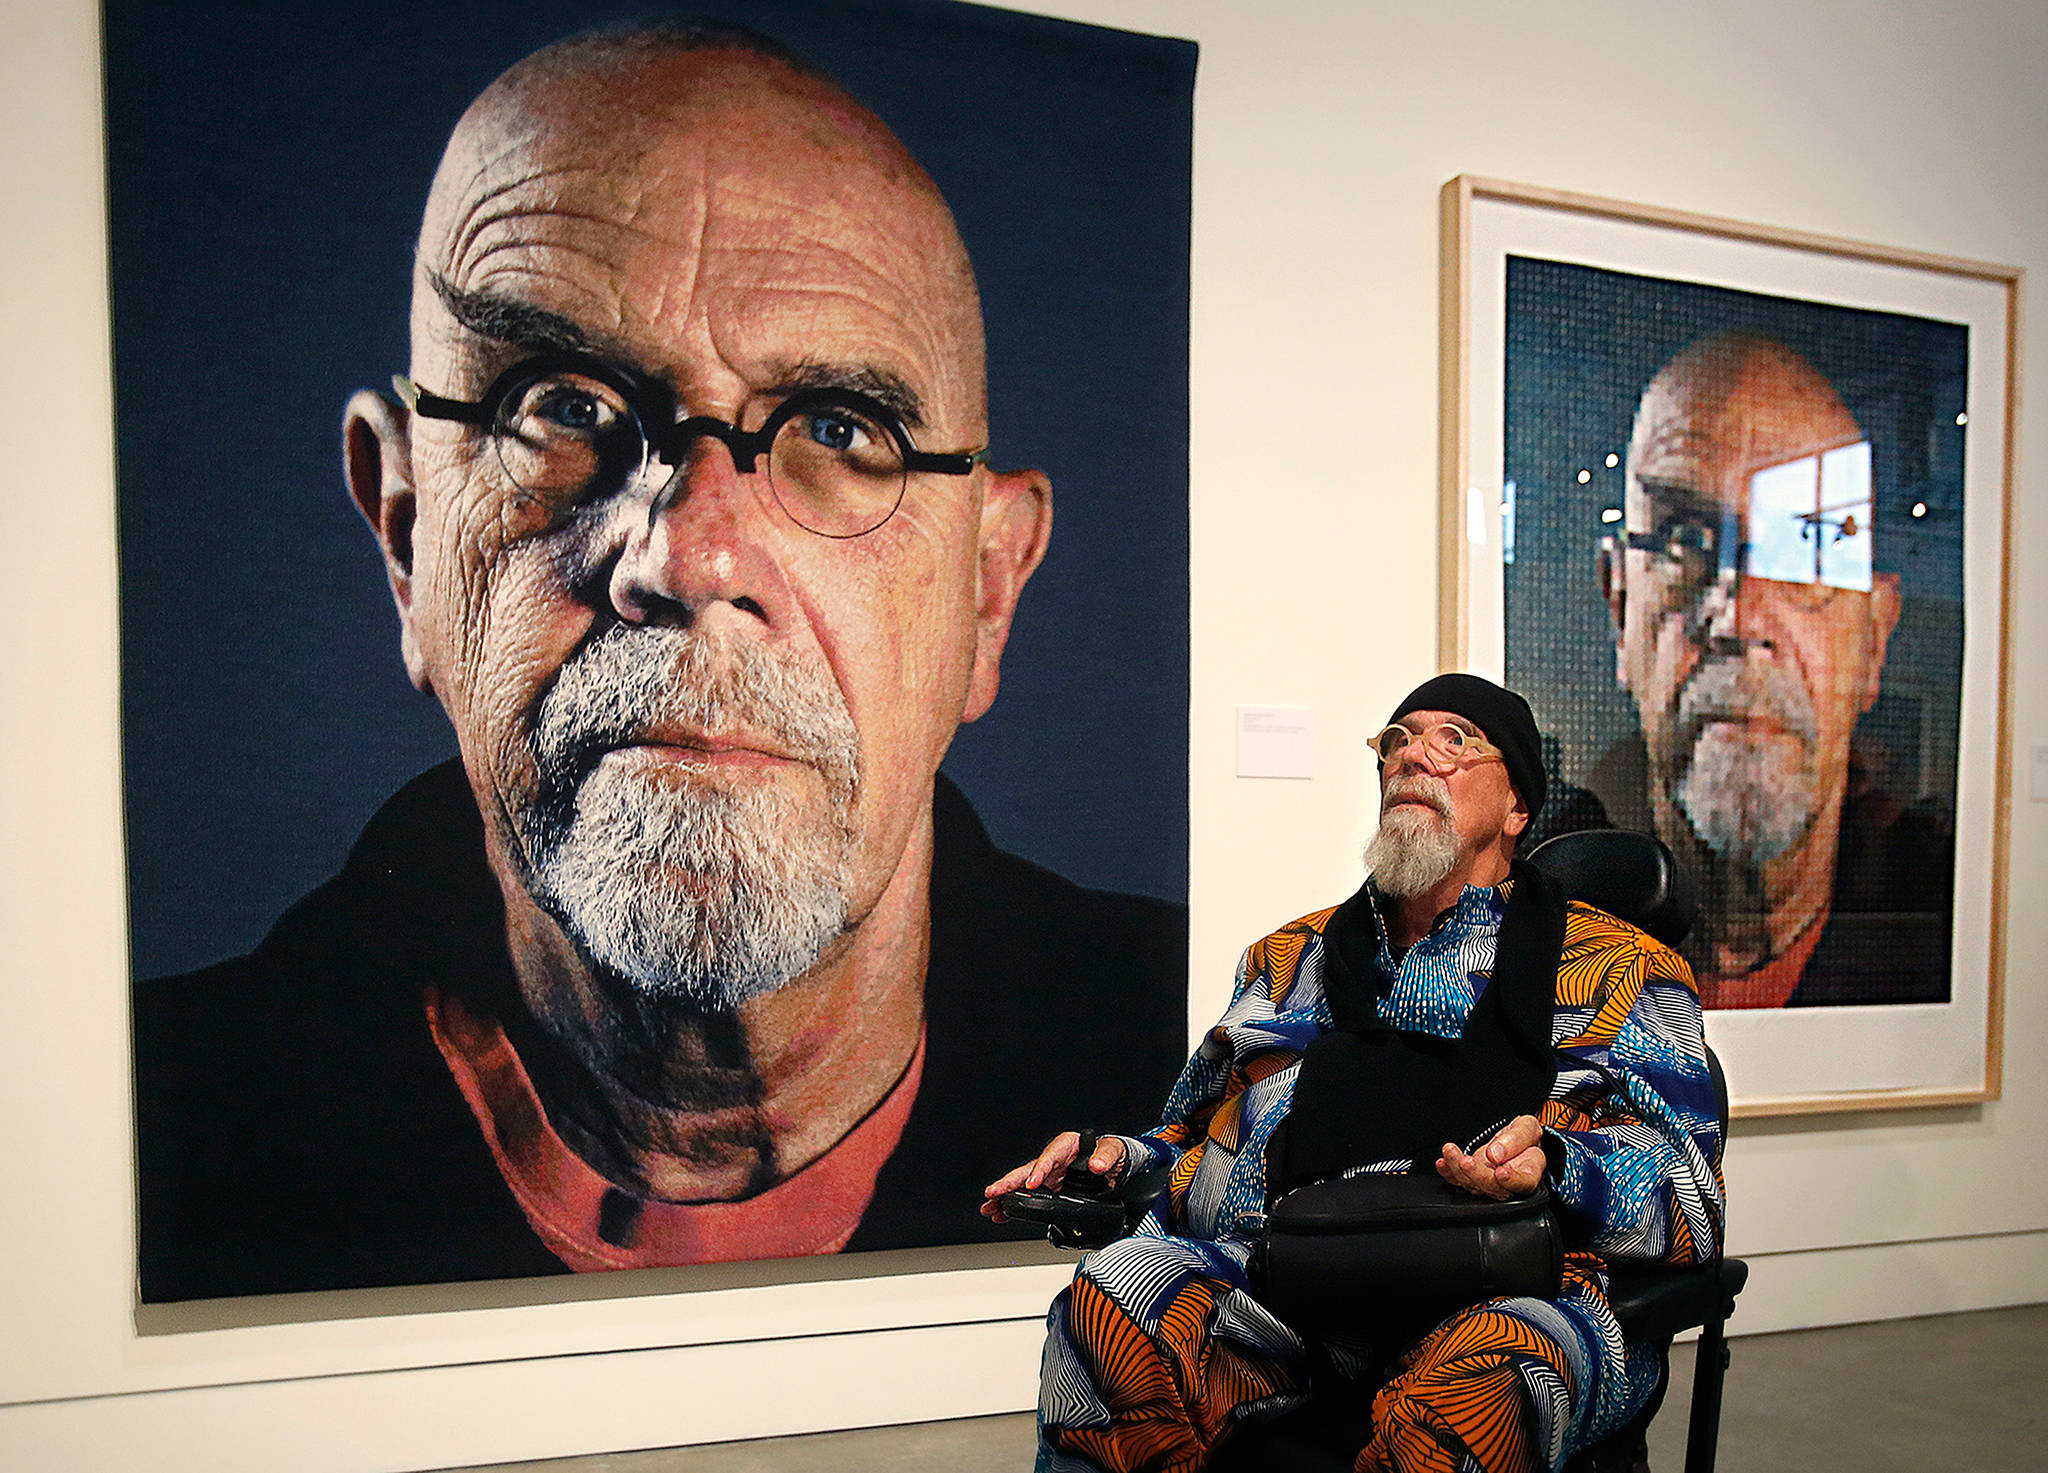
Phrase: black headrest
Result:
[1629,875]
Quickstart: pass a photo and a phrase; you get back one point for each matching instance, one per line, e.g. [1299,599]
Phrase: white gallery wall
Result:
[1324,129]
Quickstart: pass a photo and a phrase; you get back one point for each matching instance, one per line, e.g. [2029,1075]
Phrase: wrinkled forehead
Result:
[667,161]
[1713,417]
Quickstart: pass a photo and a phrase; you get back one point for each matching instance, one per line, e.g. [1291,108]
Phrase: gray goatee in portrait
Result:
[1749,797]
[693,885]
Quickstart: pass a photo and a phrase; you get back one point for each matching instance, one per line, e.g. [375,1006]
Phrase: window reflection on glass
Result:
[1809,519]
[1845,505]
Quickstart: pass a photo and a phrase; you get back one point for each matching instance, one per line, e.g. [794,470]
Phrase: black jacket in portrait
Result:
[297,1128]
[1888,933]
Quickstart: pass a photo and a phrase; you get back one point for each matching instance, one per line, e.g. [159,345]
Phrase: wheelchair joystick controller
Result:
[1084,1213]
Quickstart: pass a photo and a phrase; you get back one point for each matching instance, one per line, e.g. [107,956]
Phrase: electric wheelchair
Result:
[1631,876]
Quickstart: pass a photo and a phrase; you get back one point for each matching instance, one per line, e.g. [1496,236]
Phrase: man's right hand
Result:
[1050,1170]
[1509,1165]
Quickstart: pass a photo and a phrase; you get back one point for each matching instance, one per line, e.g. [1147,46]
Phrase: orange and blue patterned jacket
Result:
[1632,1136]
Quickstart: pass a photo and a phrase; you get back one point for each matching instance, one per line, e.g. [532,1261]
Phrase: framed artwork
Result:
[426,545]
[1729,505]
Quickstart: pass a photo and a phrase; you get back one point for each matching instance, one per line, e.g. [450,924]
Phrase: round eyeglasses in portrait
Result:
[568,429]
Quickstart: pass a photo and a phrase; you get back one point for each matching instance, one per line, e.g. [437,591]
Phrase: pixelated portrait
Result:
[1733,581]
[655,624]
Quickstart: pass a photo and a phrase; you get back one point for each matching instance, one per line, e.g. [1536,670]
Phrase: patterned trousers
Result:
[1156,1352]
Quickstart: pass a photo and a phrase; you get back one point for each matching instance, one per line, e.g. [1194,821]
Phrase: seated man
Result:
[1159,1348]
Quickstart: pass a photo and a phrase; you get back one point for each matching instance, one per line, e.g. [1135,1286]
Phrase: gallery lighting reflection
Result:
[1919,508]
[1611,515]
[1585,476]
[1613,460]
[1962,419]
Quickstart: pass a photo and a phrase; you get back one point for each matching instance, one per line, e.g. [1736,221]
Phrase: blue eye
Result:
[829,447]
[833,431]
[573,410]
[567,435]
[1693,540]
[565,406]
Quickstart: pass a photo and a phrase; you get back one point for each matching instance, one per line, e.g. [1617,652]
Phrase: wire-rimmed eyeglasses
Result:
[1445,744]
[567,428]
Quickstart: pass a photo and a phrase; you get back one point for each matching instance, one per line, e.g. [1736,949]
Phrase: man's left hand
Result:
[1509,1165]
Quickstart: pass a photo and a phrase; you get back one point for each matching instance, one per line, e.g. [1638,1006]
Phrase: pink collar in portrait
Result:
[564,1200]
[1770,984]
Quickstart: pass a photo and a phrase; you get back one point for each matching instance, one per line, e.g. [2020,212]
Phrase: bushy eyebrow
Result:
[1451,720]
[1677,496]
[521,324]
[879,384]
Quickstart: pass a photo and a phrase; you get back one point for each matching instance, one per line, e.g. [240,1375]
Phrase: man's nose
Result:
[702,539]
[1415,757]
[1728,616]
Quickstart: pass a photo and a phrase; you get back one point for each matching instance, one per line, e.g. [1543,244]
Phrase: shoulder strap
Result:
[1525,966]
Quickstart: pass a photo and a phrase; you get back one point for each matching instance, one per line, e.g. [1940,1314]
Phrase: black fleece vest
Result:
[1369,1092]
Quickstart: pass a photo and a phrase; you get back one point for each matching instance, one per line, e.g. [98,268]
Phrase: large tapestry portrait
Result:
[624,768]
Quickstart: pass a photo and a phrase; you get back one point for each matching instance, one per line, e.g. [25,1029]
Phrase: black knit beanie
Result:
[1502,715]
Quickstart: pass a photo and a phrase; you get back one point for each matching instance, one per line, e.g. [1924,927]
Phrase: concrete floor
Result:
[1959,1393]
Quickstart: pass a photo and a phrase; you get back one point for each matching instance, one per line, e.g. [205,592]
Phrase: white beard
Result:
[1749,795]
[1749,801]
[1415,849]
[686,886]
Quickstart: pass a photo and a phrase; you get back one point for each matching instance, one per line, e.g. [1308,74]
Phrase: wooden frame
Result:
[1781,1061]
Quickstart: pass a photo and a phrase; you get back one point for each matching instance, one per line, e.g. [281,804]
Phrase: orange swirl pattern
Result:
[1462,1398]
[1171,1393]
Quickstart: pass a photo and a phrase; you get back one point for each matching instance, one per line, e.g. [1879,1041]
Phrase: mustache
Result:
[637,683]
[1737,688]
[1421,786]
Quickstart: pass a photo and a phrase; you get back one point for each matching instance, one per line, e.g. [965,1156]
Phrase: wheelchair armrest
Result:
[1070,1220]
[1137,1193]
[1653,1304]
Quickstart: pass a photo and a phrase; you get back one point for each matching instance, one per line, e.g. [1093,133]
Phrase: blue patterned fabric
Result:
[1431,988]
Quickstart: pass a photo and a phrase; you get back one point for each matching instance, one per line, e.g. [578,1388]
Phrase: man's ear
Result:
[1517,816]
[376,457]
[1016,525]
[1884,618]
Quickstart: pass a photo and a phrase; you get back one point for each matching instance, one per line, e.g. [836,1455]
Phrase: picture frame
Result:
[1582,339]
